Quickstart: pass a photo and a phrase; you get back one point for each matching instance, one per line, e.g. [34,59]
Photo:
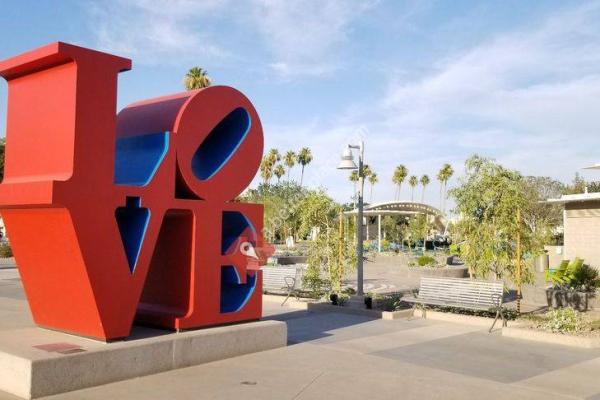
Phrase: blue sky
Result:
[423,82]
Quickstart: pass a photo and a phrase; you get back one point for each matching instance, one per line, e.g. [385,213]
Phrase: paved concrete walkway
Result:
[342,356]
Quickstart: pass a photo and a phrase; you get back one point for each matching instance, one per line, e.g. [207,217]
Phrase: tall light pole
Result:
[347,163]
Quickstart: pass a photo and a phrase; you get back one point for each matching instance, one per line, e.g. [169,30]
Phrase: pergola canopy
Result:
[404,208]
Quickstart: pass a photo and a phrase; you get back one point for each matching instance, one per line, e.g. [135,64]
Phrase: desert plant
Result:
[564,320]
[388,302]
[342,299]
[574,275]
[585,278]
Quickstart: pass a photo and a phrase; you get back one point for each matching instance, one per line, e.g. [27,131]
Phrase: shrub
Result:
[5,250]
[454,250]
[425,260]
[385,245]
[575,275]
[564,320]
[342,299]
[389,302]
[585,278]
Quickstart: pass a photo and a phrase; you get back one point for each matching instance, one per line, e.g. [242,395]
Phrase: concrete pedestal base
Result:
[35,362]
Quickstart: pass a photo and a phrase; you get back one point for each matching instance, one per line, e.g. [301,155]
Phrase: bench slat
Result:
[458,292]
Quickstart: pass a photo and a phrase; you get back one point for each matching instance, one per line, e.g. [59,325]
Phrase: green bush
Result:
[342,299]
[564,320]
[454,250]
[389,302]
[575,275]
[425,260]
[385,245]
[5,250]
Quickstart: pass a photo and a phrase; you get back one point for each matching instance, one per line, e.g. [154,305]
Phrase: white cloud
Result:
[529,98]
[155,32]
[305,37]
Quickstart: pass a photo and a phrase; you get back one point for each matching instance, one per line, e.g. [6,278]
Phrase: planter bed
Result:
[580,301]
[528,333]
[460,318]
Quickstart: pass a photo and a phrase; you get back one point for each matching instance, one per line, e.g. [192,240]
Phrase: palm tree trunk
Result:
[302,176]
[423,195]
[444,197]
[288,174]
[371,194]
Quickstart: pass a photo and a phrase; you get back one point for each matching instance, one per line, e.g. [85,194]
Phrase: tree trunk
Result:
[518,269]
[302,176]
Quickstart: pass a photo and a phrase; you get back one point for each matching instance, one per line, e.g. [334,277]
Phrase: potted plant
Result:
[368,300]
[574,283]
[333,297]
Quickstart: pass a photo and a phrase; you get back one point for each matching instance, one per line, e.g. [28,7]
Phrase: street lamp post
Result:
[347,162]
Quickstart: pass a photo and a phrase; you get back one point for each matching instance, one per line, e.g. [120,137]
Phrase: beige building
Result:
[581,222]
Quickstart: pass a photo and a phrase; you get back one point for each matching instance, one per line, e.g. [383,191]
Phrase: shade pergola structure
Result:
[402,209]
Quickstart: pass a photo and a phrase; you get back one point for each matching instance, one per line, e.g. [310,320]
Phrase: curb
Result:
[551,338]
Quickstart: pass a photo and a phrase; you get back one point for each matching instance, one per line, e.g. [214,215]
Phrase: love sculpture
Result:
[120,217]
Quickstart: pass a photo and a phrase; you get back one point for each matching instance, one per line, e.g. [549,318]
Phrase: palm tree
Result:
[444,176]
[354,179]
[304,158]
[424,182]
[274,156]
[196,78]
[440,178]
[279,171]
[413,181]
[372,180]
[400,174]
[266,169]
[289,160]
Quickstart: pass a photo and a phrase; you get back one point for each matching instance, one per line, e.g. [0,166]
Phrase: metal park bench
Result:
[460,293]
[286,279]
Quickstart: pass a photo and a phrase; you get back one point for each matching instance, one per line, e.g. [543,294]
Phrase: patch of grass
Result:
[423,261]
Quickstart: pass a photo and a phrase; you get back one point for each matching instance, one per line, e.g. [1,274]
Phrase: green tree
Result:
[196,78]
[279,171]
[542,218]
[443,176]
[490,200]
[418,229]
[413,181]
[577,186]
[424,182]
[281,208]
[274,156]
[400,174]
[304,158]
[289,160]
[373,179]
[266,169]
[394,227]
[330,254]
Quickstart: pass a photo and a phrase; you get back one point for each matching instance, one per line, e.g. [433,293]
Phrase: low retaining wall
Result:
[552,338]
[450,271]
[288,260]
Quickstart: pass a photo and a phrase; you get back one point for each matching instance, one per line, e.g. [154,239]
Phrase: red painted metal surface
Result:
[84,186]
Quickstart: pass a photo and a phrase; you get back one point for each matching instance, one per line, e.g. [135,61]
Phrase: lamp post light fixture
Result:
[347,162]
